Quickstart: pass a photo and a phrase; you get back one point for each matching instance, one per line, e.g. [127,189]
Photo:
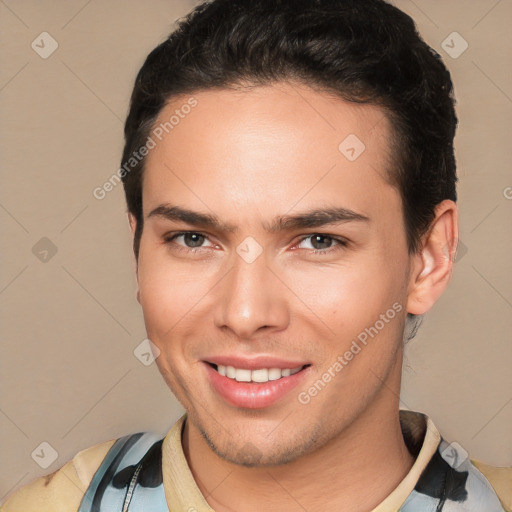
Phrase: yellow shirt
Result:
[62,491]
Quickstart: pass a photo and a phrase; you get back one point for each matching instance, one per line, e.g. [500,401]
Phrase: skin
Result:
[249,156]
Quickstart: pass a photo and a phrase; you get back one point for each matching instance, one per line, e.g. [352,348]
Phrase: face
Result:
[273,247]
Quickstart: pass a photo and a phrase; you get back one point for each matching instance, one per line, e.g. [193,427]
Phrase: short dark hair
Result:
[364,51]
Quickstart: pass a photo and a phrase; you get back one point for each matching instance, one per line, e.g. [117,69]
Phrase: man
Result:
[290,181]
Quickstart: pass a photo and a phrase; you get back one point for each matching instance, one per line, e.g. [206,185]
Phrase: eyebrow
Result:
[309,219]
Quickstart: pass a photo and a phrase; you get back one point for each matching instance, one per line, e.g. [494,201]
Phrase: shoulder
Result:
[500,479]
[96,475]
[449,479]
[453,482]
[62,490]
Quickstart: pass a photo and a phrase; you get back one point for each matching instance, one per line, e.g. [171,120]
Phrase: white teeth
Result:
[243,375]
[274,373]
[259,375]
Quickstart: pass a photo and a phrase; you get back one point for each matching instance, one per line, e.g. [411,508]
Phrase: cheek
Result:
[345,295]
[344,304]
[162,295]
[167,289]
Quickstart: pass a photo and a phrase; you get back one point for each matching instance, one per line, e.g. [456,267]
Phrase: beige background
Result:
[69,325]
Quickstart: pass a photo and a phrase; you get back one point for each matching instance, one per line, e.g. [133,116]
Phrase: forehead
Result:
[272,146]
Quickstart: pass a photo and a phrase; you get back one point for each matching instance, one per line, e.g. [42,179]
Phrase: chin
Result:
[261,454]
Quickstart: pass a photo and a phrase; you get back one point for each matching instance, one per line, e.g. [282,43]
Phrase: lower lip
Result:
[252,395]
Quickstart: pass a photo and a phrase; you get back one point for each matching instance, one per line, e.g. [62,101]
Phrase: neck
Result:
[367,460]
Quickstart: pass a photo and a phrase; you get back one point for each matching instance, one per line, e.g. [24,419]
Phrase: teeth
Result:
[259,375]
[243,375]
[274,374]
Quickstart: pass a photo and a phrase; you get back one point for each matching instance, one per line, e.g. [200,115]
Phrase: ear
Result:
[133,225]
[433,265]
[132,222]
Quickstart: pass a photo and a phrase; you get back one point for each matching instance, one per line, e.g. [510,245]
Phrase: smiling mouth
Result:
[259,375]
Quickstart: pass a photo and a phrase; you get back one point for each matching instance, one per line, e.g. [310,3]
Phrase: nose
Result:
[251,298]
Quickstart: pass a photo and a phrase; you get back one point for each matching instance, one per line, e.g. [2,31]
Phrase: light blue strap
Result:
[117,448]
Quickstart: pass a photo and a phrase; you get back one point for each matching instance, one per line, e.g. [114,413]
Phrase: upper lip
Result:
[255,362]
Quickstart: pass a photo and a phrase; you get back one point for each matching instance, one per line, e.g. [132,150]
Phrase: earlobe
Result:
[434,264]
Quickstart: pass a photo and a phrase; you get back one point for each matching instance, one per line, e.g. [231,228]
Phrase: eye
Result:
[321,243]
[189,240]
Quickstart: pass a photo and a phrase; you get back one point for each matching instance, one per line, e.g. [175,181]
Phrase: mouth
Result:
[254,388]
[258,375]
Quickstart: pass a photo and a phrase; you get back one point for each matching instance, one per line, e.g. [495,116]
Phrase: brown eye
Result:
[321,241]
[193,239]
[188,240]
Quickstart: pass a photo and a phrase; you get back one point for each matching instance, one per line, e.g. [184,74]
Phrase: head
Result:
[307,148]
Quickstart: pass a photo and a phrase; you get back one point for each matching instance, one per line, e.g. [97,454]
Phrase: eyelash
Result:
[340,242]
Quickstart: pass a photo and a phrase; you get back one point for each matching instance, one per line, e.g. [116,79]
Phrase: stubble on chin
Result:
[247,454]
